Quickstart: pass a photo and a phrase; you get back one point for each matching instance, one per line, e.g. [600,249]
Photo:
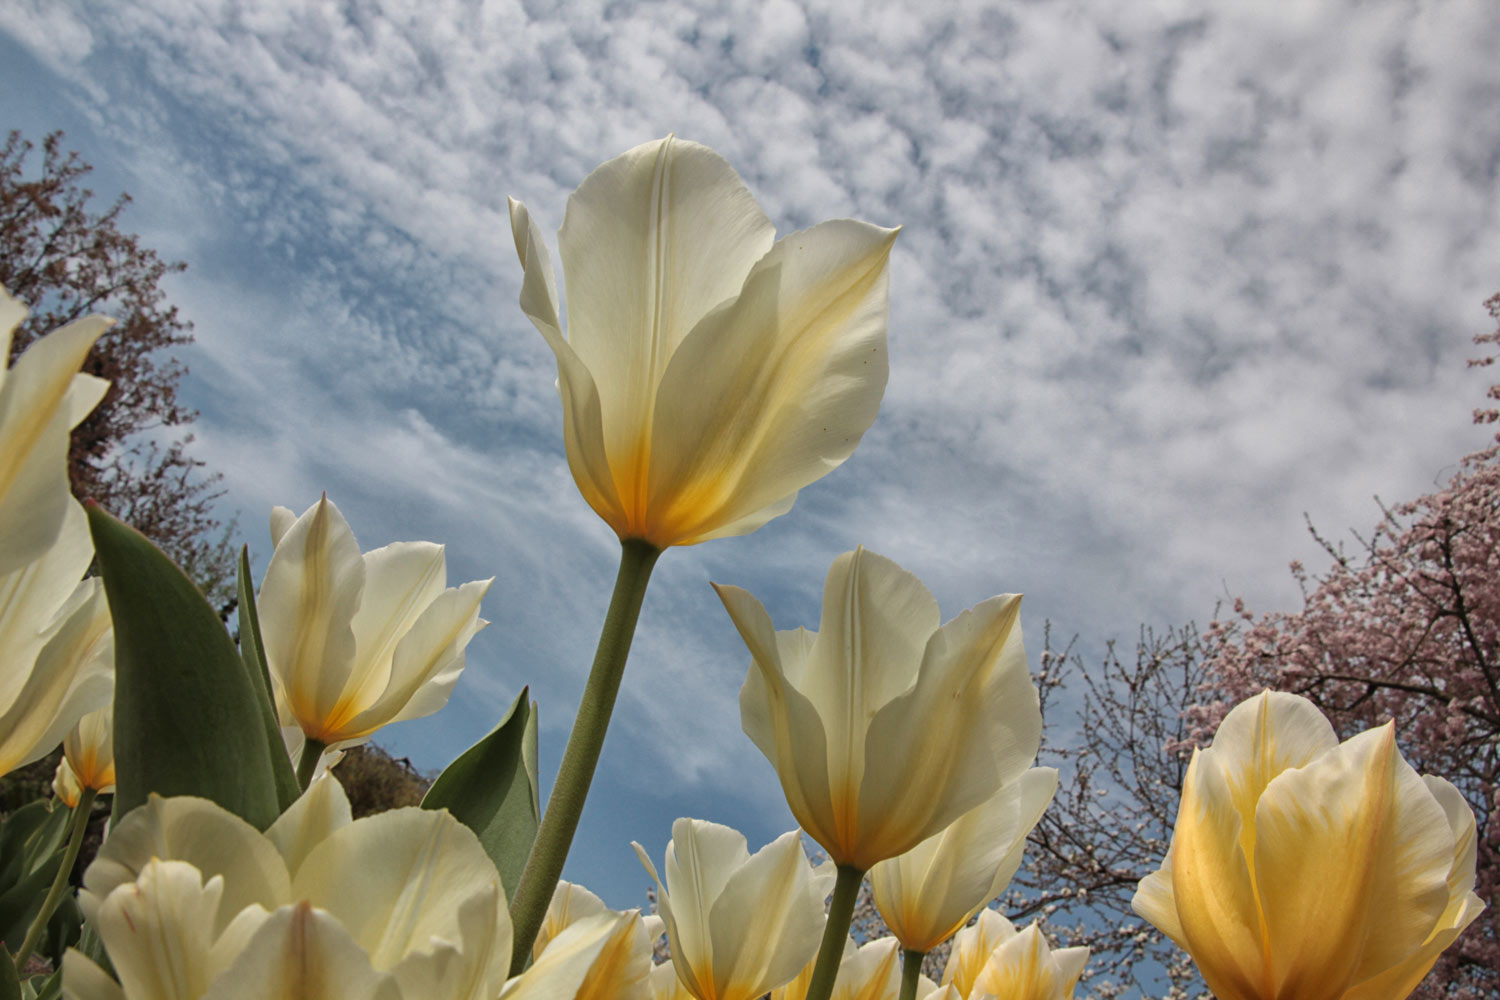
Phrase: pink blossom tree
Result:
[1405,627]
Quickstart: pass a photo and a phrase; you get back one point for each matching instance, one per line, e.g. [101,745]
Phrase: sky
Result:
[1172,277]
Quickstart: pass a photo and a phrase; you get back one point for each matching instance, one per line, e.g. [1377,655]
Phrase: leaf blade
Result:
[492,789]
[187,720]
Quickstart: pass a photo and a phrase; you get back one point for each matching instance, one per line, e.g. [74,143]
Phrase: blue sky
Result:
[1171,276]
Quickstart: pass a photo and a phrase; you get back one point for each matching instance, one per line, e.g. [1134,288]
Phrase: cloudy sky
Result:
[1172,275]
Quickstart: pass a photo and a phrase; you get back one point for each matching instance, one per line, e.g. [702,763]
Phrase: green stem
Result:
[544,864]
[60,883]
[911,971]
[307,766]
[840,912]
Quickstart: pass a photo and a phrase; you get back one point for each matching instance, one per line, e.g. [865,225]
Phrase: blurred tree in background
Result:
[65,261]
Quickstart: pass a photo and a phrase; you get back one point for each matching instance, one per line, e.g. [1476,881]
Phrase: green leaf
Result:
[19,829]
[187,720]
[51,987]
[20,903]
[10,982]
[492,789]
[253,653]
[63,930]
[50,836]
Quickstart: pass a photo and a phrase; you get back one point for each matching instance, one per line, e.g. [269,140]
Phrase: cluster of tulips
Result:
[708,373]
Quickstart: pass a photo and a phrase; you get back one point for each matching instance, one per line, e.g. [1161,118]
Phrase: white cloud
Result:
[1170,276]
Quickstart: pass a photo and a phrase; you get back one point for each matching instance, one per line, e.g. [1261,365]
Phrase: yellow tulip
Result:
[709,371]
[884,727]
[925,895]
[1024,967]
[41,399]
[1308,868]
[739,924]
[88,757]
[991,958]
[622,969]
[192,903]
[355,642]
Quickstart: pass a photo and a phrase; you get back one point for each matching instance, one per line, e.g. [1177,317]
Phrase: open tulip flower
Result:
[991,958]
[709,371]
[41,399]
[192,902]
[739,924]
[925,895]
[1305,867]
[883,726]
[56,644]
[355,642]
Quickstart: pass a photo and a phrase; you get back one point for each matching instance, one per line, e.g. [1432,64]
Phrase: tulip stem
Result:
[840,912]
[307,766]
[60,882]
[911,971]
[544,864]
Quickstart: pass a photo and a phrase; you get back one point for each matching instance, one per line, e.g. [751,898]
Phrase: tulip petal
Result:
[312,588]
[1024,967]
[83,980]
[700,858]
[1069,963]
[1352,859]
[1461,821]
[317,813]
[570,903]
[653,241]
[872,972]
[876,616]
[1212,885]
[159,931]
[32,598]
[926,894]
[582,422]
[972,948]
[785,653]
[975,687]
[560,972]
[401,580]
[1037,786]
[1154,901]
[89,748]
[429,658]
[73,675]
[1260,738]
[767,921]
[876,620]
[665,985]
[38,406]
[784,724]
[282,520]
[397,880]
[622,969]
[302,953]
[462,965]
[772,392]
[196,831]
